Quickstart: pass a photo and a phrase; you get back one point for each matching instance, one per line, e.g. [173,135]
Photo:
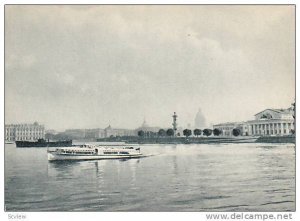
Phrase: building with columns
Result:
[269,122]
[272,122]
[30,132]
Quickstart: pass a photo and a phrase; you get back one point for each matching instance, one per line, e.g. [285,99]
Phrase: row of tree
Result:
[186,132]
[205,132]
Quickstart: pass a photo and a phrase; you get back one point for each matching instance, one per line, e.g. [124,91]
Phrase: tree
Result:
[217,132]
[187,132]
[162,133]
[197,132]
[141,133]
[236,132]
[178,134]
[152,134]
[207,132]
[170,132]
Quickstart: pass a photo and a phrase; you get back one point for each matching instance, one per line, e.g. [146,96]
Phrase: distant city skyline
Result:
[143,124]
[93,66]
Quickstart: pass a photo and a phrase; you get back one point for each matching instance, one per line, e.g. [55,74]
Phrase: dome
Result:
[144,125]
[200,121]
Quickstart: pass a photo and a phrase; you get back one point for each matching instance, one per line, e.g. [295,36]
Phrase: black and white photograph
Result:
[149,108]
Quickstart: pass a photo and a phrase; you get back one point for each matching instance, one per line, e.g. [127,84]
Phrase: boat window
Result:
[123,152]
[109,152]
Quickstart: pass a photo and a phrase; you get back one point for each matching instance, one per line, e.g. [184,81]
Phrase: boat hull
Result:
[52,156]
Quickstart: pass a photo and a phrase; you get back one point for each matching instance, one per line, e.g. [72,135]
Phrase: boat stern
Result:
[51,155]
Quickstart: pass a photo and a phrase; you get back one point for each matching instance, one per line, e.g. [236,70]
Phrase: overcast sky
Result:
[90,66]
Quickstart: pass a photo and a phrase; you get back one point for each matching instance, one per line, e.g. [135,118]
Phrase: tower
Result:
[174,123]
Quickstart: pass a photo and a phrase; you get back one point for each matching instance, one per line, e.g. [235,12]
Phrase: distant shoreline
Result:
[199,140]
[190,140]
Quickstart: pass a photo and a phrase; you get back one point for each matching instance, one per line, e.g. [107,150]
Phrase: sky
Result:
[90,66]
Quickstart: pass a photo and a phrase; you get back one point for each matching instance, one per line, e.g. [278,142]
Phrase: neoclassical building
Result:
[272,122]
[269,122]
[28,132]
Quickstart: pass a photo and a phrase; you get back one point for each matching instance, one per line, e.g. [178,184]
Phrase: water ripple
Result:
[231,177]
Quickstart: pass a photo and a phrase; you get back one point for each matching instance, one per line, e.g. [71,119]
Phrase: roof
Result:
[280,111]
[229,123]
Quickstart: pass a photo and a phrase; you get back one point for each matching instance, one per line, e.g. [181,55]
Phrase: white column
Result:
[272,128]
[281,128]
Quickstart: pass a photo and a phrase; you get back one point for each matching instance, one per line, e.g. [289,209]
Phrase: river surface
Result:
[200,177]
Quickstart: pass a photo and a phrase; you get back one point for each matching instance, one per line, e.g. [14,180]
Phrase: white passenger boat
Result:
[92,152]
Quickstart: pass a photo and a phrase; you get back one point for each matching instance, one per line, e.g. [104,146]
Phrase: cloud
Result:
[120,63]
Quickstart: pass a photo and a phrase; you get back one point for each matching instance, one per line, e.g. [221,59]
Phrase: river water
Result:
[200,177]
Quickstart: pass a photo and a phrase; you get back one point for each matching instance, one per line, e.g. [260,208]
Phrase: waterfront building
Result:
[272,122]
[74,134]
[228,127]
[269,122]
[117,132]
[30,132]
[146,128]
[51,132]
[94,133]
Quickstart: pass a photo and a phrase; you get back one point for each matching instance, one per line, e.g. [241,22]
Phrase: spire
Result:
[144,123]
